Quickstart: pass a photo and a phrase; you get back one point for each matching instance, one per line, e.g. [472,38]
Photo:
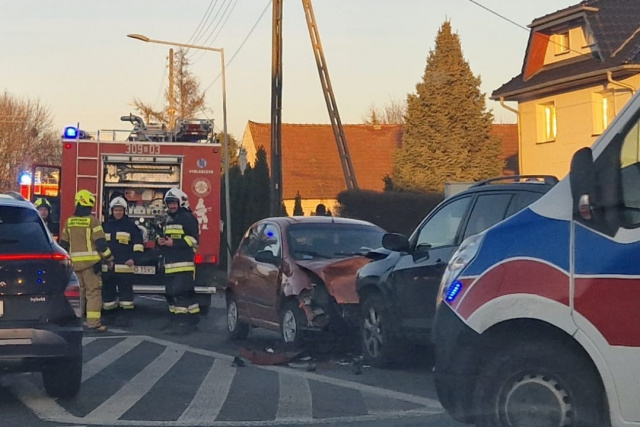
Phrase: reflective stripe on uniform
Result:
[79,222]
[106,253]
[172,309]
[126,305]
[181,310]
[98,229]
[194,309]
[111,305]
[107,237]
[84,256]
[191,241]
[174,228]
[123,268]
[138,248]
[178,267]
[93,314]
[123,237]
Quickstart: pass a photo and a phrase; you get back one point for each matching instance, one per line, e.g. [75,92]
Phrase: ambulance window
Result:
[488,210]
[442,228]
[630,176]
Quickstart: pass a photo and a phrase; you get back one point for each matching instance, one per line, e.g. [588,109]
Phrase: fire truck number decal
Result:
[143,149]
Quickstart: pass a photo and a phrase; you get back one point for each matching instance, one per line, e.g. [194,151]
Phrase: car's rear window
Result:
[331,240]
[22,231]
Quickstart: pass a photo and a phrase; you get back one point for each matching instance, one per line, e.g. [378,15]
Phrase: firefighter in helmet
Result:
[125,241]
[83,237]
[44,209]
[178,243]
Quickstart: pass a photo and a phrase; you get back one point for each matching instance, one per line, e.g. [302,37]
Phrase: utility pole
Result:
[276,110]
[172,108]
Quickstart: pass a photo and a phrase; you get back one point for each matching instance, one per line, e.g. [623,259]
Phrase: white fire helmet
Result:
[177,195]
[118,202]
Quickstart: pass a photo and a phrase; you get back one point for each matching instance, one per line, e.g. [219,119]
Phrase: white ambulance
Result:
[538,322]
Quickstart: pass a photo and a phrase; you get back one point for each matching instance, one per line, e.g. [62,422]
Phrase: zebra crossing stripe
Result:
[115,406]
[211,395]
[100,362]
[295,398]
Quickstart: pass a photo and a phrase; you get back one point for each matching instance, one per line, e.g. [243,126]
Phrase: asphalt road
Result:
[140,377]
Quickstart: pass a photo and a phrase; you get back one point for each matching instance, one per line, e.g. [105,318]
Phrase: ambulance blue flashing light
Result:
[453,291]
[70,132]
[25,178]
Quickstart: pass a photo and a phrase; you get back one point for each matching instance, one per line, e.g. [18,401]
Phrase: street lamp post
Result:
[227,203]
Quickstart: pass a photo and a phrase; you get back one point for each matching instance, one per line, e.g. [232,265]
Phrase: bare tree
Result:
[391,113]
[189,98]
[27,136]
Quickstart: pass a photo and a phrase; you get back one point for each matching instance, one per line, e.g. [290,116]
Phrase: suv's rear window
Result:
[22,231]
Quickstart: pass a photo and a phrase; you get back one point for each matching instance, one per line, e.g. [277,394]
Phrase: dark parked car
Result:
[398,289]
[40,327]
[297,274]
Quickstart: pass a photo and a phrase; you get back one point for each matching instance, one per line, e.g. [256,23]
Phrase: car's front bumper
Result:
[457,361]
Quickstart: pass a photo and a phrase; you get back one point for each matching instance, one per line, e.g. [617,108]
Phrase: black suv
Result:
[40,327]
[398,288]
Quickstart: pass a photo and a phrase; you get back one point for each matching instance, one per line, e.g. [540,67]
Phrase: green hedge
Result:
[395,211]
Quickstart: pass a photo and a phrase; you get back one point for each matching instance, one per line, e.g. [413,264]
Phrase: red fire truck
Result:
[141,168]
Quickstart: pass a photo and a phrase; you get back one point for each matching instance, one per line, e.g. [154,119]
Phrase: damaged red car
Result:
[296,275]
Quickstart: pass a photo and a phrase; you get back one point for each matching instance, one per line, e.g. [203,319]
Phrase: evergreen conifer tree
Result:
[297,206]
[259,197]
[446,134]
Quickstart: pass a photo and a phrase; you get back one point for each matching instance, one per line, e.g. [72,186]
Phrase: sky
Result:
[74,57]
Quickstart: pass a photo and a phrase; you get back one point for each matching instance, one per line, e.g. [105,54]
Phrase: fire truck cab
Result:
[538,321]
[142,167]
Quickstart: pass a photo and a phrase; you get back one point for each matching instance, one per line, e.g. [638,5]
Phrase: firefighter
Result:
[44,209]
[178,243]
[84,239]
[125,241]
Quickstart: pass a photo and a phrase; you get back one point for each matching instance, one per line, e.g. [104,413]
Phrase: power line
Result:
[202,53]
[215,17]
[264,11]
[205,16]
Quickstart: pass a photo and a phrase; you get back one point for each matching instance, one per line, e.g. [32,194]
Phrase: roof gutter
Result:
[615,82]
[564,80]
[517,113]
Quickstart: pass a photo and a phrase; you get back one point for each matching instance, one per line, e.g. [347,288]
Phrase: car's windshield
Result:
[331,240]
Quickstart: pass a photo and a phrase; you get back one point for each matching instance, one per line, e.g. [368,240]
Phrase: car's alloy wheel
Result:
[291,320]
[236,329]
[372,332]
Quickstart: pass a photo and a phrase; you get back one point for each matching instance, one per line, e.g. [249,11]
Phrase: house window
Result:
[561,42]
[604,110]
[547,122]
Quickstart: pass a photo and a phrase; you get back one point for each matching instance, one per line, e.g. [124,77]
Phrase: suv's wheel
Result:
[379,346]
[236,329]
[541,384]
[292,320]
[63,378]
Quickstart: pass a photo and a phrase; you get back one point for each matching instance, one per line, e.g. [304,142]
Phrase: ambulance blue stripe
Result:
[525,234]
[599,255]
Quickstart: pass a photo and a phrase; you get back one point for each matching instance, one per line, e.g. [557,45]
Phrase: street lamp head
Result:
[139,37]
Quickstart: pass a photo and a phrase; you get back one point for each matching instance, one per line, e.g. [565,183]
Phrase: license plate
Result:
[144,269]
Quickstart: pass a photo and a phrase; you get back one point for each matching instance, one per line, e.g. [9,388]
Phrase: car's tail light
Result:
[73,294]
[34,257]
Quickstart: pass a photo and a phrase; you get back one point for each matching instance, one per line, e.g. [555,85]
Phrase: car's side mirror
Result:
[583,183]
[395,242]
[267,257]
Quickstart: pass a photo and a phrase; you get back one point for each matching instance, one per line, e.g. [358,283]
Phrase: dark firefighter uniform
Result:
[179,267]
[44,208]
[83,237]
[125,241]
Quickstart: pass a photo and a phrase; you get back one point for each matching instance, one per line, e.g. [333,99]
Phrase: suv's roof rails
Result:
[546,179]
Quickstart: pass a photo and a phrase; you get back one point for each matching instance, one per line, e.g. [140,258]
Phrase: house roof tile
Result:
[311,165]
